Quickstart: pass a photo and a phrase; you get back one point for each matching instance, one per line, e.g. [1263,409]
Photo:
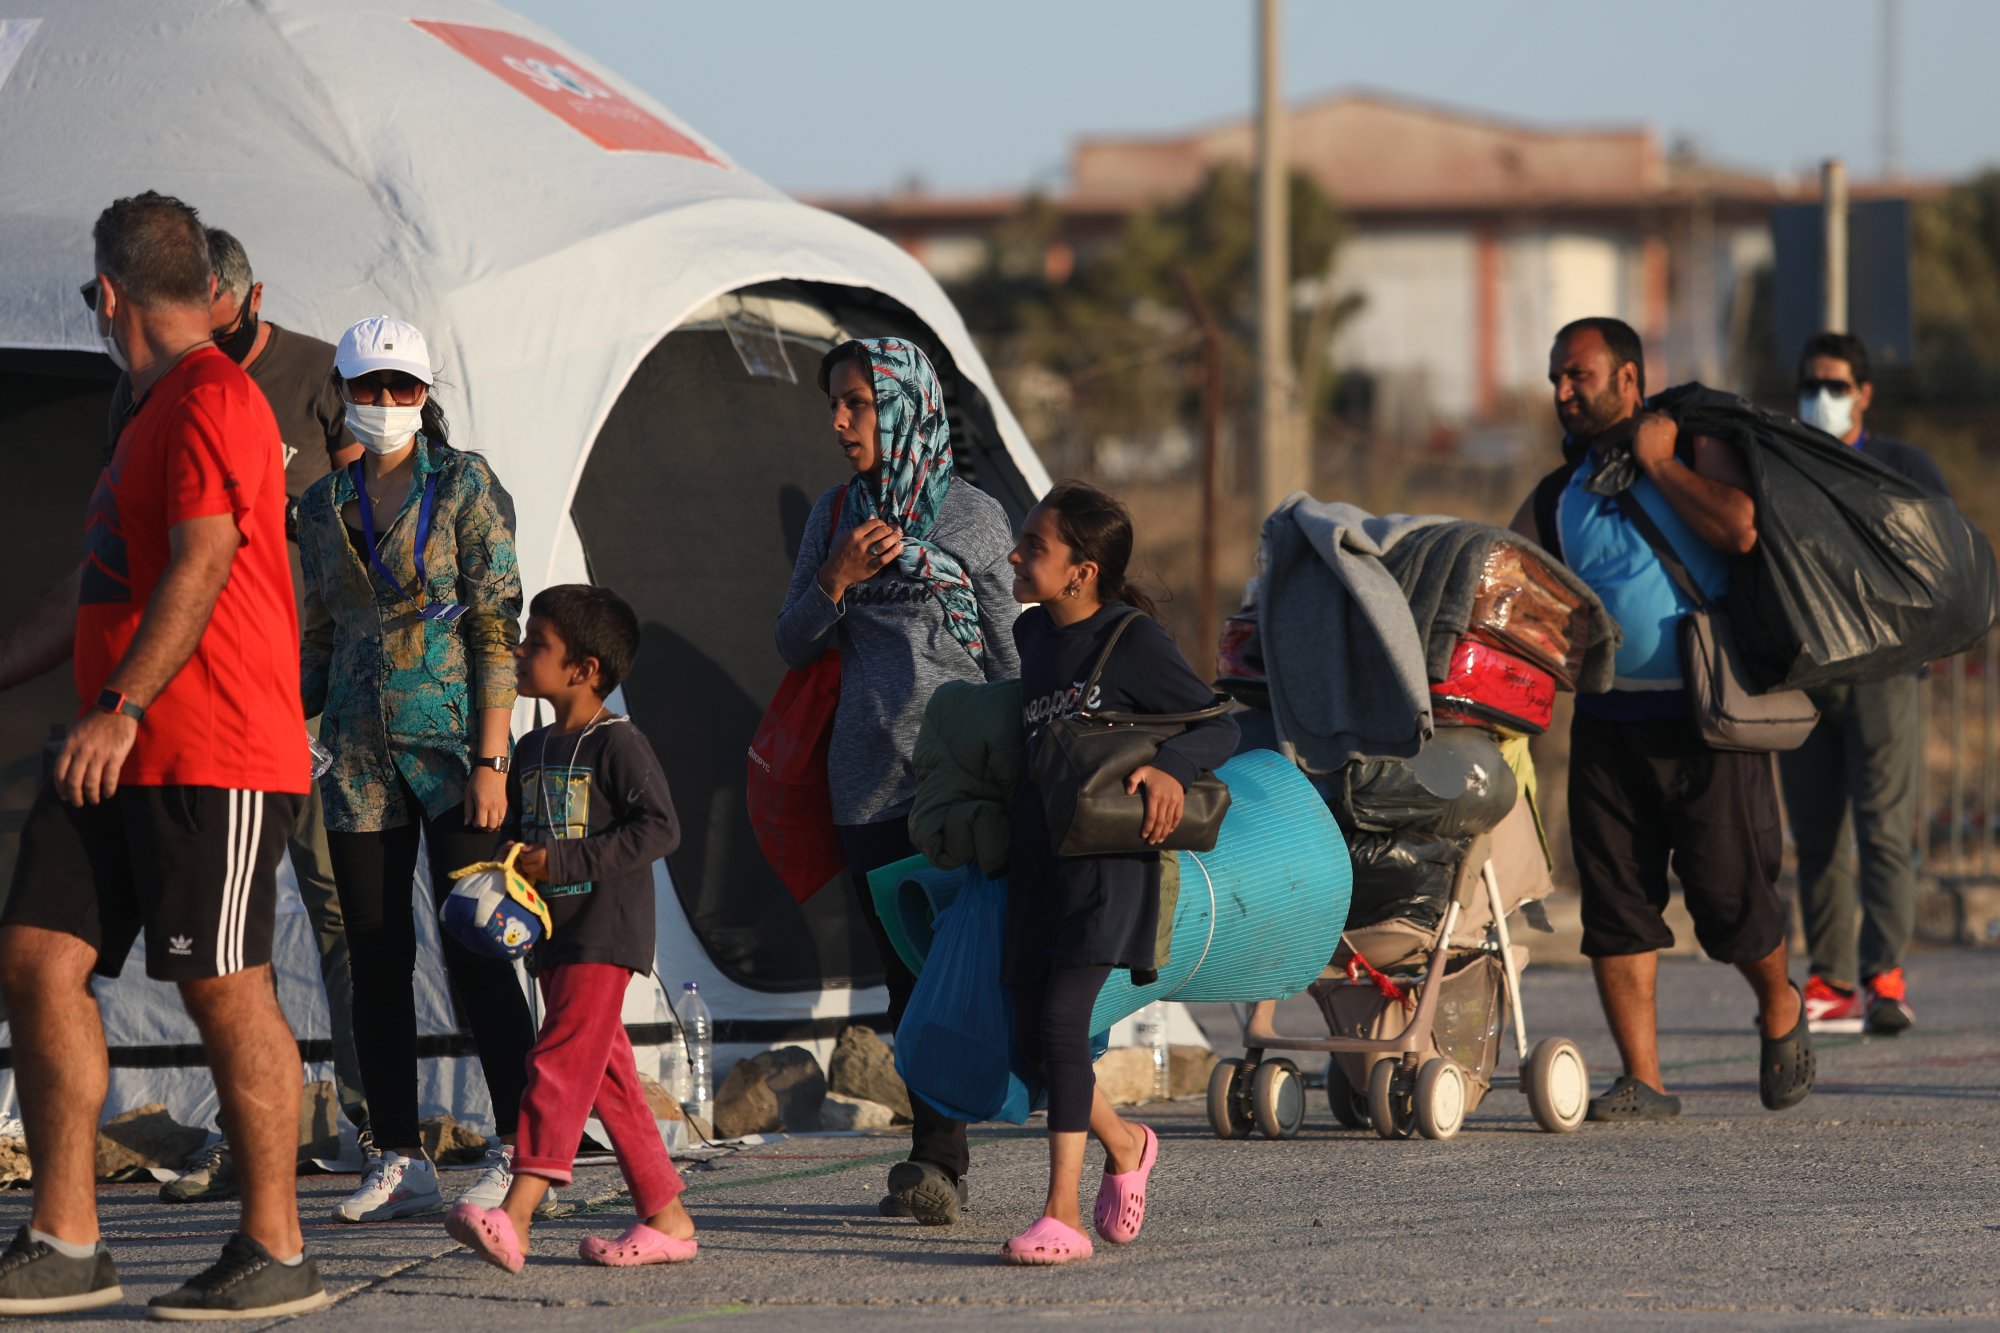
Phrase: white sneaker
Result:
[395,1186]
[496,1173]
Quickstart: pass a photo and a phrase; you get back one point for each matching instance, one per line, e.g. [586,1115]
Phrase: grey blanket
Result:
[1438,571]
[1341,651]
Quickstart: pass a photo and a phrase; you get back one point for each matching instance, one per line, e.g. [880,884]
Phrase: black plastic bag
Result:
[1858,573]
[1403,875]
[1458,785]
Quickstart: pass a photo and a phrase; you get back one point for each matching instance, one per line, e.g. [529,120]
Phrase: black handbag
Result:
[1728,712]
[1081,763]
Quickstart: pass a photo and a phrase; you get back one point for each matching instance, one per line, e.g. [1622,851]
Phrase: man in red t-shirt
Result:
[172,796]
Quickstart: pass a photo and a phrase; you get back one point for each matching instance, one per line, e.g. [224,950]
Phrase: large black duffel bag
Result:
[1858,572]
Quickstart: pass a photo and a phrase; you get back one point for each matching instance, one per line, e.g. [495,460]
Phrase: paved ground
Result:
[1874,1200]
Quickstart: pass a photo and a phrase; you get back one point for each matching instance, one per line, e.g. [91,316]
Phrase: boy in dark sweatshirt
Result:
[591,810]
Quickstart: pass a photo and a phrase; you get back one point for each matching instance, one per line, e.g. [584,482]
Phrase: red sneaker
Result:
[1830,1009]
[1889,1011]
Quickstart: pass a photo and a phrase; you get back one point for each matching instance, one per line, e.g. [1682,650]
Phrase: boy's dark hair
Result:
[155,248]
[593,622]
[1841,347]
[1620,339]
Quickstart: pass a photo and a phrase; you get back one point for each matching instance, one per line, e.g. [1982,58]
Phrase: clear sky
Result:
[827,97]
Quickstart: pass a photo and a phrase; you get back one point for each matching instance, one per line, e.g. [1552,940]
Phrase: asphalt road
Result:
[1876,1199]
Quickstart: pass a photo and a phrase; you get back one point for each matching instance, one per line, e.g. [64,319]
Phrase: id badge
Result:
[445,611]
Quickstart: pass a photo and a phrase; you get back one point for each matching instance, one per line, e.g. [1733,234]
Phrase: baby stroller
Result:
[1448,854]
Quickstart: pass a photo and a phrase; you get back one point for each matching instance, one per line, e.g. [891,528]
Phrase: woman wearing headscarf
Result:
[909,578]
[412,609]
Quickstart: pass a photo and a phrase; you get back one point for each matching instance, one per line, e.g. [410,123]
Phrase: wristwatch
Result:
[111,701]
[499,763]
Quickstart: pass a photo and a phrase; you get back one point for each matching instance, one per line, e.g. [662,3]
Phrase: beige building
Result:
[1472,239]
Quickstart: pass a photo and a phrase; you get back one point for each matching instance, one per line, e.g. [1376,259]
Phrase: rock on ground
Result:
[840,1111]
[863,1066]
[449,1143]
[660,1100]
[1188,1068]
[319,1121]
[1125,1074]
[745,1104]
[795,1081]
[15,1168]
[144,1137]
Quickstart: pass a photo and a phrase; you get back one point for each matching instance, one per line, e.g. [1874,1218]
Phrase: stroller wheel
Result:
[1227,1115]
[1349,1105]
[1278,1099]
[1389,1108]
[1440,1098]
[1557,1084]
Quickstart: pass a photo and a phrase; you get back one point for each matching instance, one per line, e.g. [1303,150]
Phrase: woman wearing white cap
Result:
[412,609]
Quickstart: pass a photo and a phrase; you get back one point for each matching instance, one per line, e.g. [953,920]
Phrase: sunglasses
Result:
[1838,388]
[404,390]
[89,292]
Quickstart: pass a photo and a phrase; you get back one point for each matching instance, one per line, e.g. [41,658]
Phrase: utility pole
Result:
[1833,250]
[1280,462]
[1208,615]
[1889,92]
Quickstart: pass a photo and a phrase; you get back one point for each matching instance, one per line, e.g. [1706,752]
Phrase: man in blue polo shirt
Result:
[1854,782]
[1645,791]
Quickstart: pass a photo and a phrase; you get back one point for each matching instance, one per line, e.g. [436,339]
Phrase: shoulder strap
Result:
[1547,509]
[1636,514]
[1109,645]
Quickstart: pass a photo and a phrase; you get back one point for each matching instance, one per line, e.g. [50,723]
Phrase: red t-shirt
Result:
[202,442]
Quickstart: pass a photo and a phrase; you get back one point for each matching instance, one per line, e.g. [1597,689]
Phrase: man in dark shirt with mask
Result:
[295,373]
[1854,782]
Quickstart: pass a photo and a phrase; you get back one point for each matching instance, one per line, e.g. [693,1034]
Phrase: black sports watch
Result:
[499,763]
[111,701]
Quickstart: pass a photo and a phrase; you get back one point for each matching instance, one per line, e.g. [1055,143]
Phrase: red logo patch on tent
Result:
[609,118]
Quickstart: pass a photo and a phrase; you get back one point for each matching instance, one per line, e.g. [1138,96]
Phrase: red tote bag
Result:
[789,799]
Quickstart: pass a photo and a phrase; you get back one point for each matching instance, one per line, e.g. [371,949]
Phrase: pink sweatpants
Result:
[583,1058]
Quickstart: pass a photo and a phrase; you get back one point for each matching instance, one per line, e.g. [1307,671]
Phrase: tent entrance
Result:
[692,506]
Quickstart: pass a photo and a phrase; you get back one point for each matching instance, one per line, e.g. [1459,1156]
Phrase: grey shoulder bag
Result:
[1728,712]
[1081,763]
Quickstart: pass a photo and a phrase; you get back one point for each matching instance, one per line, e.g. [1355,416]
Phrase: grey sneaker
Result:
[245,1283]
[36,1278]
[395,1186]
[209,1176]
[496,1173]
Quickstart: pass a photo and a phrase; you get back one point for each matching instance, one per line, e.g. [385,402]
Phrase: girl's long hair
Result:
[1098,528]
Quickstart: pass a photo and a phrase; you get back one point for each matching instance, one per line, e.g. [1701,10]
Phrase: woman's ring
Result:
[874,550]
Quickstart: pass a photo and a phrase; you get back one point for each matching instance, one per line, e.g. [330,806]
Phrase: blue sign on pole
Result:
[1878,278]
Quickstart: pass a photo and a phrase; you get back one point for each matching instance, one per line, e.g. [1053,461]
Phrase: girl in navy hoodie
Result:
[1072,920]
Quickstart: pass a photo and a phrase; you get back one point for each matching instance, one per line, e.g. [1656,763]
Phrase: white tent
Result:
[627,325]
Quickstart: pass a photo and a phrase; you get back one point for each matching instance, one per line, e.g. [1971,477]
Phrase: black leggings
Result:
[1052,1031]
[934,1137]
[375,874]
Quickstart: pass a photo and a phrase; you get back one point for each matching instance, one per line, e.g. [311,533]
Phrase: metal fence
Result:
[1958,785]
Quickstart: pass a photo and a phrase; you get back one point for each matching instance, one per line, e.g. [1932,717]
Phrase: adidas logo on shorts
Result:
[183,945]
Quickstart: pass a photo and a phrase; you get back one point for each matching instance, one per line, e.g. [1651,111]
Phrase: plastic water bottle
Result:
[697,1031]
[672,1070]
[1150,1031]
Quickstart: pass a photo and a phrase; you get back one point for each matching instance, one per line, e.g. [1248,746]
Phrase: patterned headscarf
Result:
[910,485]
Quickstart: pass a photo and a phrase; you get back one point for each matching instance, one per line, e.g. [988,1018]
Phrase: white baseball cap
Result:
[383,342]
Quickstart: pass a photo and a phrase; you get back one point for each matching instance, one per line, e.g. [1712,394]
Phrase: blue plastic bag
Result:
[955,1045]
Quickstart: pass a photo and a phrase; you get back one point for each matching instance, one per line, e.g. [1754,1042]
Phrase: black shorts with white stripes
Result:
[194,868]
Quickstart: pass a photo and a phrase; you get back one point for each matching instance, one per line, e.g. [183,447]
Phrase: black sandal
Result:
[1785,1068]
[1628,1099]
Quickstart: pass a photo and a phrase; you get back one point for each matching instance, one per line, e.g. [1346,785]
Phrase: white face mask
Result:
[1833,415]
[384,430]
[111,348]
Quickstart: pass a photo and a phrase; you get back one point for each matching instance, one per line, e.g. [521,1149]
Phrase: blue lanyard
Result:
[424,509]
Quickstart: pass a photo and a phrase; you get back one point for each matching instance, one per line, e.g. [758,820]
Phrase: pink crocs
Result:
[488,1233]
[640,1244]
[1121,1200]
[1047,1242]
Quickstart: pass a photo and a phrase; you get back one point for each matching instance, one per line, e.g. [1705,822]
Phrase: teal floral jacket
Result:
[398,693]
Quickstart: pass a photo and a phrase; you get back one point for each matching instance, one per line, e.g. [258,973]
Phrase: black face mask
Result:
[236,343]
